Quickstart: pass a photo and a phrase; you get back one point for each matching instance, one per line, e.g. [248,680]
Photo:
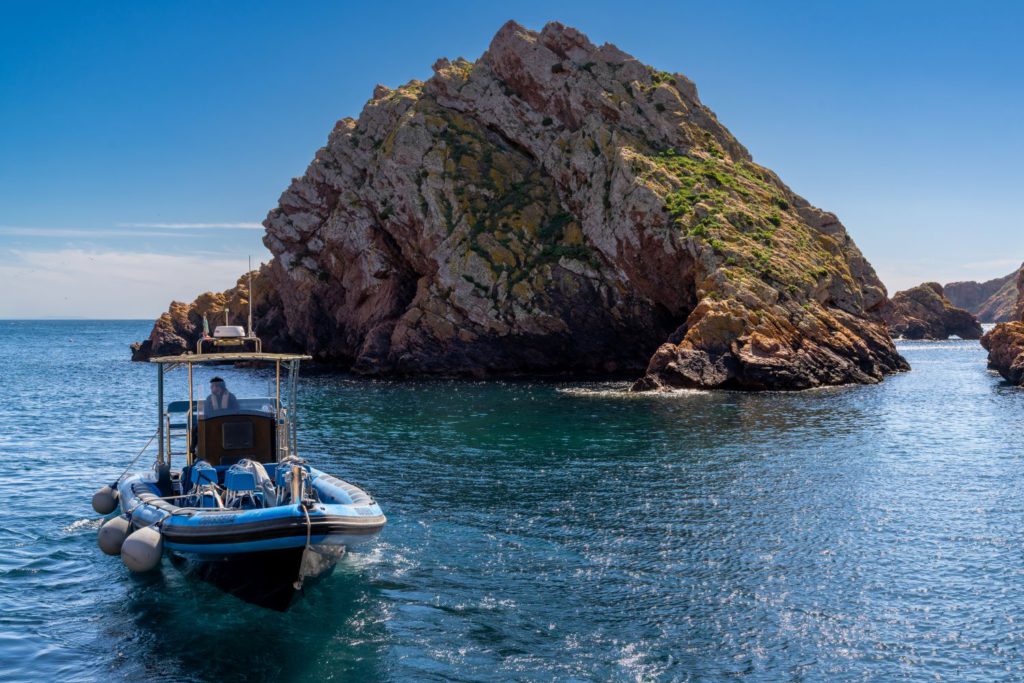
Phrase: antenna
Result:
[250,295]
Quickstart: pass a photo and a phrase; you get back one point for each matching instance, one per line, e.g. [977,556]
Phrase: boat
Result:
[228,498]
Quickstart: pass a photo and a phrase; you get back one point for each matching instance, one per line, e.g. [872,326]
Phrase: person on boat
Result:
[220,401]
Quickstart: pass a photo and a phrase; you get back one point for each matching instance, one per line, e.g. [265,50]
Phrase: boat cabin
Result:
[261,429]
[224,438]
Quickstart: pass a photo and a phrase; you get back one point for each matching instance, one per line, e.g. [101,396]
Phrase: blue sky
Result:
[141,144]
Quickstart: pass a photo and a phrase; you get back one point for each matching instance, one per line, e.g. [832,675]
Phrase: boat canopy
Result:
[273,420]
[229,358]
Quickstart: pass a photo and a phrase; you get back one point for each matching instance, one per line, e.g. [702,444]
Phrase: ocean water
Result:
[545,531]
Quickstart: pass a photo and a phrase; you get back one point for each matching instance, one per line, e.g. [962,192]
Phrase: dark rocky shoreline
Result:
[1005,342]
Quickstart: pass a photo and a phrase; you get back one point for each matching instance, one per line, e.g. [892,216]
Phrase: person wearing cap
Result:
[220,401]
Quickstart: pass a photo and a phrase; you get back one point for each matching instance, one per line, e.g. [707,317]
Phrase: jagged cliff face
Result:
[994,301]
[1005,342]
[1018,311]
[560,207]
[924,312]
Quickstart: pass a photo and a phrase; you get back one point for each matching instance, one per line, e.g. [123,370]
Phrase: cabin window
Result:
[237,435]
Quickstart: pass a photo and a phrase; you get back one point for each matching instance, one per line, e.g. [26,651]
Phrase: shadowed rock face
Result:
[925,313]
[1005,342]
[1019,310]
[991,302]
[559,207]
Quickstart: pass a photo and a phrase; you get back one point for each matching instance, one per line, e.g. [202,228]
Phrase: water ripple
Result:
[540,531]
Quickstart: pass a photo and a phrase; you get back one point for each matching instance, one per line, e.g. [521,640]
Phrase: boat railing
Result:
[230,342]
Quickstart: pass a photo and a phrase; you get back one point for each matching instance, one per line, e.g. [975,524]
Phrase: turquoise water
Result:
[545,531]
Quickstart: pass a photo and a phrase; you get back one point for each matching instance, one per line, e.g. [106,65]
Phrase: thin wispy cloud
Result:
[25,231]
[122,230]
[192,226]
[107,283]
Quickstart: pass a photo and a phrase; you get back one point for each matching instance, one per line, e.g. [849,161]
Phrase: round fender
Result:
[104,501]
[142,550]
[111,535]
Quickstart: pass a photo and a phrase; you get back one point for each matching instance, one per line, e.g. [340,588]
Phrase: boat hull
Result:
[271,579]
[221,535]
[261,555]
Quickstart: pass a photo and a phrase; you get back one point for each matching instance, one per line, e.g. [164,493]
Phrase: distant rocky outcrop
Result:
[558,207]
[993,301]
[177,331]
[923,312]
[1005,342]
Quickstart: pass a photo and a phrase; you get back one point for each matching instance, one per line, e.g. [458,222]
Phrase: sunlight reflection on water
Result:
[547,530]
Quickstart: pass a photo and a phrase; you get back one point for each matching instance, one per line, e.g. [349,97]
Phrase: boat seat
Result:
[202,474]
[239,481]
[282,480]
[282,474]
[241,489]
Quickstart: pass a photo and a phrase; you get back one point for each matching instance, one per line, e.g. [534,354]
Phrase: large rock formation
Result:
[177,331]
[925,313]
[1018,312]
[993,301]
[558,207]
[1005,342]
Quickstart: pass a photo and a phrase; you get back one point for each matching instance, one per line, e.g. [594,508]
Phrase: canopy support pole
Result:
[293,380]
[281,447]
[160,413]
[188,423]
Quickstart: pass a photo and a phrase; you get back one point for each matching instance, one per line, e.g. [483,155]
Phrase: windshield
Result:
[212,408]
[229,391]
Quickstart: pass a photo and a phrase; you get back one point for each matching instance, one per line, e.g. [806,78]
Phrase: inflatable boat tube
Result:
[344,515]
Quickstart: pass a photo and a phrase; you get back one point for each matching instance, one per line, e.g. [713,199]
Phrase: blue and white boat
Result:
[241,508]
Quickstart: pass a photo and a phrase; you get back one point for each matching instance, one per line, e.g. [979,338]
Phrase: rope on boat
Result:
[309,527]
[132,463]
[104,501]
[158,523]
[309,534]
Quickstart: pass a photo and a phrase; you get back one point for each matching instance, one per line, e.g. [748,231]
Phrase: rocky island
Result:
[557,207]
[924,312]
[993,301]
[1005,342]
